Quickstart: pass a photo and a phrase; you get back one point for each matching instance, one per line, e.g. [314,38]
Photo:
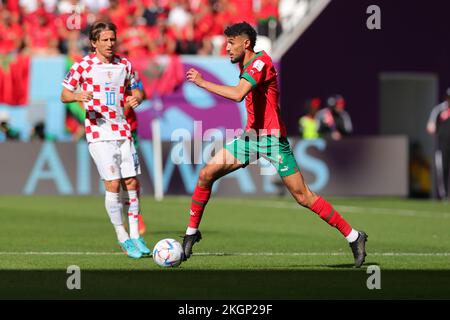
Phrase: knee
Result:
[131,183]
[112,186]
[205,177]
[305,199]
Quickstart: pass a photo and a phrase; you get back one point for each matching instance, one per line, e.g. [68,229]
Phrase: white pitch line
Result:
[385,254]
[48,253]
[413,254]
[353,209]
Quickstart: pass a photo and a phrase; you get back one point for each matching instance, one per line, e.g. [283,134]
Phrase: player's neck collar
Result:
[108,61]
[253,56]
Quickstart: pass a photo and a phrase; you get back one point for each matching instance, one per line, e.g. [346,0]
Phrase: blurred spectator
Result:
[204,23]
[38,132]
[6,132]
[162,38]
[181,22]
[117,13]
[10,33]
[72,19]
[307,124]
[268,19]
[419,172]
[334,121]
[96,5]
[225,13]
[134,39]
[41,36]
[151,12]
[30,6]
[149,27]
[439,126]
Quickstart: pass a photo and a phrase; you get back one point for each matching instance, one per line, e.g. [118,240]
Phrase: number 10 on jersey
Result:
[110,98]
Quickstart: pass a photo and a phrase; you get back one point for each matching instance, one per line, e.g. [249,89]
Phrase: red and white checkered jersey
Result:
[105,118]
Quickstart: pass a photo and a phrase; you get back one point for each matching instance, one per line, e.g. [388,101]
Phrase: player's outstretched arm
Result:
[235,93]
[68,96]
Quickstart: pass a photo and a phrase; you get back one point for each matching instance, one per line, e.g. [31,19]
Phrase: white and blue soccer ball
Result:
[168,253]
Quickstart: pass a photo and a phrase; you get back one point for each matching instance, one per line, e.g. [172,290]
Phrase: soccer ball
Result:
[168,253]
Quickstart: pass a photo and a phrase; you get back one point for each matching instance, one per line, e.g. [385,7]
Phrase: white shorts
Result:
[115,159]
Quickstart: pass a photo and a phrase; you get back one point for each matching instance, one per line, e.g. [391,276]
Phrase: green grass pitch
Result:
[251,249]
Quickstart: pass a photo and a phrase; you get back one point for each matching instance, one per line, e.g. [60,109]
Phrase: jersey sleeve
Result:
[73,77]
[255,73]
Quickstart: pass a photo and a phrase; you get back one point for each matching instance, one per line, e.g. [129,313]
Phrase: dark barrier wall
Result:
[339,54]
[352,167]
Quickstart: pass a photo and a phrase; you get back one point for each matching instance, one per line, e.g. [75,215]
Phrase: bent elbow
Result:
[65,100]
[238,98]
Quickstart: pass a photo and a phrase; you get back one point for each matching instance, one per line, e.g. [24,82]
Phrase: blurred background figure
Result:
[6,132]
[41,34]
[334,121]
[38,132]
[419,172]
[439,126]
[307,124]
[268,19]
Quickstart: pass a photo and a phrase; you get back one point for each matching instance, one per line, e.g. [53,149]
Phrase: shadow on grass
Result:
[225,284]
[352,266]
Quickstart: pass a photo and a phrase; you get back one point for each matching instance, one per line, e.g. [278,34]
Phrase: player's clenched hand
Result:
[132,102]
[194,76]
[83,96]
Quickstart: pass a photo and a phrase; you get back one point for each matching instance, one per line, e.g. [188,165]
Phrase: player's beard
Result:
[236,59]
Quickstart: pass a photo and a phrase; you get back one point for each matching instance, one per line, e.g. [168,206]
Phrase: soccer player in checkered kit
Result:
[100,82]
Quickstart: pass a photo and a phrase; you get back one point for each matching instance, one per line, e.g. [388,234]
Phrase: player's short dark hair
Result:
[242,28]
[98,27]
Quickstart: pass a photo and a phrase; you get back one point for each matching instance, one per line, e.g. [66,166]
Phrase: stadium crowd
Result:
[147,27]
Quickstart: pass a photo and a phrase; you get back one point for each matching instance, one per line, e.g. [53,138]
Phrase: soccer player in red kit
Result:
[265,135]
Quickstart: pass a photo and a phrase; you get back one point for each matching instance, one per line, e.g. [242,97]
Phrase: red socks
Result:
[199,200]
[331,216]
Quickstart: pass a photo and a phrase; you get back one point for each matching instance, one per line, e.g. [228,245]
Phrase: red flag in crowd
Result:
[14,75]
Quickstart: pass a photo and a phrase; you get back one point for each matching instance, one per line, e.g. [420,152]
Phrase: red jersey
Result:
[263,110]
